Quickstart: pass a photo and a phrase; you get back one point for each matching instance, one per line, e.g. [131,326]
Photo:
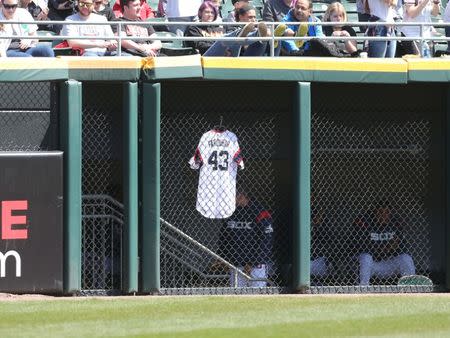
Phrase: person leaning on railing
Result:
[22,47]
[131,12]
[94,47]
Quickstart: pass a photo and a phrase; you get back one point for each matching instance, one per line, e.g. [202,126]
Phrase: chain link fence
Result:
[374,185]
[102,187]
[28,115]
[225,212]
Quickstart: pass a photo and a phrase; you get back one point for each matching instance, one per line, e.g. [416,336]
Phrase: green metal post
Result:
[302,177]
[130,191]
[151,187]
[70,140]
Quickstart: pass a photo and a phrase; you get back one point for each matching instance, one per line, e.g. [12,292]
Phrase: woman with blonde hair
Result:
[382,11]
[336,13]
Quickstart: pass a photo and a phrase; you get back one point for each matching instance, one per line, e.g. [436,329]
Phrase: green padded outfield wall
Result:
[378,130]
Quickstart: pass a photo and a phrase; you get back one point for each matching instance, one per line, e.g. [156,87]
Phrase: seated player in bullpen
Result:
[380,245]
[246,242]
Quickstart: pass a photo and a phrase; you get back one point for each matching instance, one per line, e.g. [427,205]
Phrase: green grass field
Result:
[230,316]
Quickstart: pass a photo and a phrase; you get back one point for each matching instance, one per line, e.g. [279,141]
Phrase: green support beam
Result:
[151,187]
[302,186]
[70,141]
[130,179]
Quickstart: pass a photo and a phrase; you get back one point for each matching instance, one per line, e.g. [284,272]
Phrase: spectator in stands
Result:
[301,11]
[246,13]
[382,11]
[207,12]
[446,19]
[162,6]
[93,47]
[22,47]
[101,7]
[336,13]
[146,11]
[59,10]
[231,17]
[5,30]
[363,13]
[131,10]
[380,245]
[276,10]
[217,4]
[183,11]
[418,11]
[38,10]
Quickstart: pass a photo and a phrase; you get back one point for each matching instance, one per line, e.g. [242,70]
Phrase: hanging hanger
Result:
[220,126]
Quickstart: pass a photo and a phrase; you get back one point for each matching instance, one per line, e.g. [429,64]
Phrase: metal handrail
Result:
[271,39]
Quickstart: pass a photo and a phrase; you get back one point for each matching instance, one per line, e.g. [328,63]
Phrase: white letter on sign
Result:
[4,257]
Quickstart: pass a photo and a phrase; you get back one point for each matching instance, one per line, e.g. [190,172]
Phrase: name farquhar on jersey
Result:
[218,142]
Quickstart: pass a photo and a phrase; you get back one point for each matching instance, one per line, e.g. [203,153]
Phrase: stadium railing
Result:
[270,39]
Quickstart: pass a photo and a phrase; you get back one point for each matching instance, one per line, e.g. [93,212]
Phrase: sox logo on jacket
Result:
[217,156]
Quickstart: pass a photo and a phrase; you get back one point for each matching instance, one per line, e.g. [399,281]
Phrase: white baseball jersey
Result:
[217,156]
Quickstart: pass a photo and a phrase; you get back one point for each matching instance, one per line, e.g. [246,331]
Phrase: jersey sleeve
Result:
[196,161]
[238,158]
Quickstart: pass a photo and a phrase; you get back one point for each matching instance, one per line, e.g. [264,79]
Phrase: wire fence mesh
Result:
[372,186]
[213,238]
[28,115]
[102,187]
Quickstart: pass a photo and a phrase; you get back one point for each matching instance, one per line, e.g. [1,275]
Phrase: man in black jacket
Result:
[381,246]
[246,242]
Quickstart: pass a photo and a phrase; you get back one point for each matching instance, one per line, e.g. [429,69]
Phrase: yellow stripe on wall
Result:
[429,64]
[32,63]
[308,63]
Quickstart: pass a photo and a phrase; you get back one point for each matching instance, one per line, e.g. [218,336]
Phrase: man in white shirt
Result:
[181,10]
[22,47]
[93,47]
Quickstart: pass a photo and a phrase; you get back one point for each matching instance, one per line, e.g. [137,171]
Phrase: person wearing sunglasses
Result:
[22,47]
[91,47]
